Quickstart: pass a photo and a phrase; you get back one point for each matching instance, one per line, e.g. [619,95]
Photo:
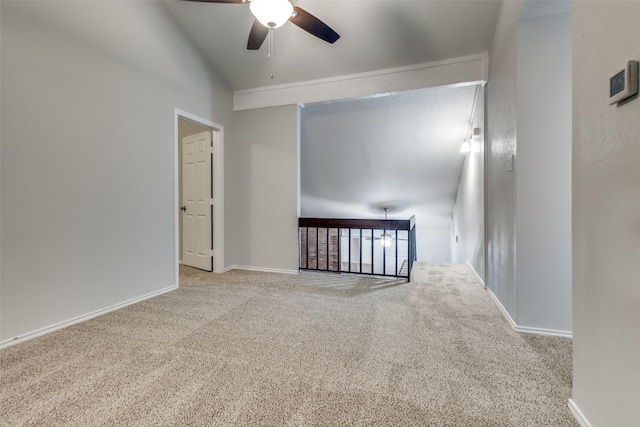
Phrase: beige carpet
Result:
[249,349]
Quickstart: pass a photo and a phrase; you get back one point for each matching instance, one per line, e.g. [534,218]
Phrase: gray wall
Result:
[606,211]
[529,85]
[265,168]
[468,224]
[543,174]
[500,144]
[87,156]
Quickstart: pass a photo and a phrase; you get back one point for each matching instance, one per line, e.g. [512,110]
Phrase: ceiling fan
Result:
[271,14]
[386,239]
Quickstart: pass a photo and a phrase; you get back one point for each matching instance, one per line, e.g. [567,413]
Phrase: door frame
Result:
[217,188]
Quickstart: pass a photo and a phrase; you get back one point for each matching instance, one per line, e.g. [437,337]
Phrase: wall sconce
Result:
[466,146]
[471,131]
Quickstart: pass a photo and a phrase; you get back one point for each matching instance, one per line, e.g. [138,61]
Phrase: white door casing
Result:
[196,200]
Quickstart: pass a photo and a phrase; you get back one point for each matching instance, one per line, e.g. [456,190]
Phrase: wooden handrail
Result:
[312,252]
[373,224]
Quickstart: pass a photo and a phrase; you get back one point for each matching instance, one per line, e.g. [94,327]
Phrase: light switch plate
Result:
[510,163]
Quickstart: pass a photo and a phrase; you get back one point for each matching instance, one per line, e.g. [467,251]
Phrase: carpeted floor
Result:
[246,348]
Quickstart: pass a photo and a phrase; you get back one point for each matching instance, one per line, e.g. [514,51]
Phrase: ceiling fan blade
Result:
[257,35]
[313,25]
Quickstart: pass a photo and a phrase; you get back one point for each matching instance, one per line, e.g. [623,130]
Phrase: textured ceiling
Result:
[400,151]
[375,35]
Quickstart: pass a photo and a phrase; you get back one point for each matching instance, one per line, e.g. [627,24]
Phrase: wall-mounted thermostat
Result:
[623,83]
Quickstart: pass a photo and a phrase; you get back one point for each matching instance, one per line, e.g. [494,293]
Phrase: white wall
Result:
[88,96]
[606,213]
[543,174]
[468,224]
[433,244]
[500,144]
[265,166]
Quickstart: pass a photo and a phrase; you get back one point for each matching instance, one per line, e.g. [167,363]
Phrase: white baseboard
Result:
[542,331]
[262,269]
[476,273]
[527,329]
[502,309]
[84,317]
[577,414]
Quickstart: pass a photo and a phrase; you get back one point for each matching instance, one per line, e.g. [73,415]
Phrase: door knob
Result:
[183,208]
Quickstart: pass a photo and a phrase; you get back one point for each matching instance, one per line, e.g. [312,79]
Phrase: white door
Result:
[196,201]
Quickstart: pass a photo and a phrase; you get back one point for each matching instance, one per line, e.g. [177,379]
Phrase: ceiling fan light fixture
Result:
[386,240]
[271,13]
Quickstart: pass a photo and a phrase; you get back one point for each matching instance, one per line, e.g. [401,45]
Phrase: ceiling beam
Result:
[458,71]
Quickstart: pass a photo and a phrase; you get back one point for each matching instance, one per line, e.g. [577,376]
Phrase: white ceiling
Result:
[400,151]
[375,35]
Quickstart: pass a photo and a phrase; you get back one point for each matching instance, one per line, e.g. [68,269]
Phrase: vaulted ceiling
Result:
[375,35]
[398,150]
